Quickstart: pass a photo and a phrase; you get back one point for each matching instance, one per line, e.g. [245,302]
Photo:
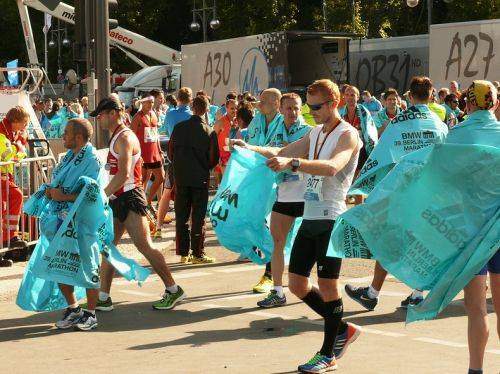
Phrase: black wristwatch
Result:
[295,164]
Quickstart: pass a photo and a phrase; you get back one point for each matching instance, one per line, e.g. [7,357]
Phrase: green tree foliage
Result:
[167,21]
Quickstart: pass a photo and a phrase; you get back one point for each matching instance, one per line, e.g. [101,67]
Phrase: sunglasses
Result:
[455,102]
[316,107]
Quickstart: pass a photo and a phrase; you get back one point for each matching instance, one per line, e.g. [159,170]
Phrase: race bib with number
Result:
[150,134]
[292,177]
[314,188]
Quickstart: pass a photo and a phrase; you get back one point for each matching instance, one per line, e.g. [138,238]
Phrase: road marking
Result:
[380,332]
[193,274]
[216,306]
[441,342]
[240,268]
[138,293]
[390,293]
[494,351]
[239,297]
[363,279]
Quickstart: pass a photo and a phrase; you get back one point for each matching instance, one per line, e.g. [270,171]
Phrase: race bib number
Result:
[150,134]
[292,177]
[314,188]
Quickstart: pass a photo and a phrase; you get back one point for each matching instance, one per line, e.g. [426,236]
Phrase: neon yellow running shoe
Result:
[264,286]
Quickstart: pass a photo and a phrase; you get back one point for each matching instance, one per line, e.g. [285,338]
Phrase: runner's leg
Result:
[107,270]
[477,329]
[138,229]
[163,206]
[280,226]
[495,294]
[378,277]
[68,293]
[159,174]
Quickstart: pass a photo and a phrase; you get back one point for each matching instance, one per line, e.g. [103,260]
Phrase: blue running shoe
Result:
[319,364]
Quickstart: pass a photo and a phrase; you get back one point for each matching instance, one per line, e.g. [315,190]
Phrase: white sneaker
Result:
[70,318]
[87,322]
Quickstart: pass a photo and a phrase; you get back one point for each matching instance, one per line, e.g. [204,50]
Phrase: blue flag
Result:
[432,222]
[13,76]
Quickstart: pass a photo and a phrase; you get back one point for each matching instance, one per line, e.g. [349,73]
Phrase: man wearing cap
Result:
[145,126]
[480,127]
[128,203]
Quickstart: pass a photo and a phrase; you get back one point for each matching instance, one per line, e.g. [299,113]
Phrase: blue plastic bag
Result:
[242,203]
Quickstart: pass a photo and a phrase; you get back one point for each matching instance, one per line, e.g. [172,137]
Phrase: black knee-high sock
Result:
[333,319]
[315,302]
[268,273]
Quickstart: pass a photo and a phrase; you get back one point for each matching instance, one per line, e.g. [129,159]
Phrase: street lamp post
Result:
[61,36]
[430,3]
[201,13]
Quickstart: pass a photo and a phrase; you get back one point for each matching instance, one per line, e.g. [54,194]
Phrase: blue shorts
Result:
[493,265]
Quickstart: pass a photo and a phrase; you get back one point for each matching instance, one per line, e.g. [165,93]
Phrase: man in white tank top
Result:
[128,202]
[327,157]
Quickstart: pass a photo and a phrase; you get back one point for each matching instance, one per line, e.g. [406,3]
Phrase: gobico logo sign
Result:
[254,72]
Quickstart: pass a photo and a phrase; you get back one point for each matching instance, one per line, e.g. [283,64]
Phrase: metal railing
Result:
[28,175]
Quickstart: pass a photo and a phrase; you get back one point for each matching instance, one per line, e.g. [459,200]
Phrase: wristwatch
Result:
[295,164]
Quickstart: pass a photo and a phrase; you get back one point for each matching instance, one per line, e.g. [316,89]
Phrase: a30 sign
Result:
[217,70]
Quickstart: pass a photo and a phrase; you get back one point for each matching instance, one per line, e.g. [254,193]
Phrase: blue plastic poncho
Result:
[411,130]
[71,236]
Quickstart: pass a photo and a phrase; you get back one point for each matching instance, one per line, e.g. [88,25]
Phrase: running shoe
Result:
[87,322]
[169,300]
[264,286]
[360,295]
[319,364]
[157,234]
[411,301]
[202,260]
[272,300]
[102,306]
[70,318]
[186,260]
[343,340]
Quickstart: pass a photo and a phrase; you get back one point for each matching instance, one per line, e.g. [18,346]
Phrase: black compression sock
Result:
[315,302]
[268,273]
[475,371]
[333,319]
[342,327]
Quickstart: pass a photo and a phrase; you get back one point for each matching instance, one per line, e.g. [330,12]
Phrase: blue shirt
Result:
[176,115]
[373,106]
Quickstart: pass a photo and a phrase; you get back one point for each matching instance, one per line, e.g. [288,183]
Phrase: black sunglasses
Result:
[316,107]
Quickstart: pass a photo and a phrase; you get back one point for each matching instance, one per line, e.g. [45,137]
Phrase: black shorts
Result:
[310,247]
[363,156]
[152,165]
[133,200]
[291,209]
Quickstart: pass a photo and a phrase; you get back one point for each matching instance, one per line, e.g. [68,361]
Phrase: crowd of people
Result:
[320,139]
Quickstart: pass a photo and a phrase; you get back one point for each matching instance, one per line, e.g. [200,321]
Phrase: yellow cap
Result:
[480,94]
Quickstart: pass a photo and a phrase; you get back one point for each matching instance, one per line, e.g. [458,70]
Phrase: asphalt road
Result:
[219,329]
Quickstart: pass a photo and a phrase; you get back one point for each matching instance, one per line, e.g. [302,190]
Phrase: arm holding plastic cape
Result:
[71,237]
[369,133]
[404,134]
[425,226]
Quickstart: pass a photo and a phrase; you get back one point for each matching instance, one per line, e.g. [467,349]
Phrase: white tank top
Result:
[334,189]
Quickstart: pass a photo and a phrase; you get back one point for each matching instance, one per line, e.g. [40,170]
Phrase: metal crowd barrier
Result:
[28,175]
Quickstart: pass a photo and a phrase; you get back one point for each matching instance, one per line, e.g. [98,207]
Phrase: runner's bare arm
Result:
[295,149]
[124,148]
[347,145]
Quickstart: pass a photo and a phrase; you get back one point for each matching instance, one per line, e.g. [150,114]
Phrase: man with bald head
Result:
[263,131]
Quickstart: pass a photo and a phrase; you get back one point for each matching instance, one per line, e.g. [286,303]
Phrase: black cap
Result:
[106,104]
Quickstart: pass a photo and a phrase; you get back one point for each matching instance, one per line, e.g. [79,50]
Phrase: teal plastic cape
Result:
[71,236]
[432,222]
[409,131]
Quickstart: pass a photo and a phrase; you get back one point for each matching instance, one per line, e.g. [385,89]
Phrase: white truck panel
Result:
[465,52]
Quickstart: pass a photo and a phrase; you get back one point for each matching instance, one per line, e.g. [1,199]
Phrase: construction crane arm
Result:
[118,36]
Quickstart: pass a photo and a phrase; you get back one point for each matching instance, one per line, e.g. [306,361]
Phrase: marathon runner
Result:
[328,158]
[262,132]
[129,204]
[290,202]
[145,126]
[480,127]
[421,91]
